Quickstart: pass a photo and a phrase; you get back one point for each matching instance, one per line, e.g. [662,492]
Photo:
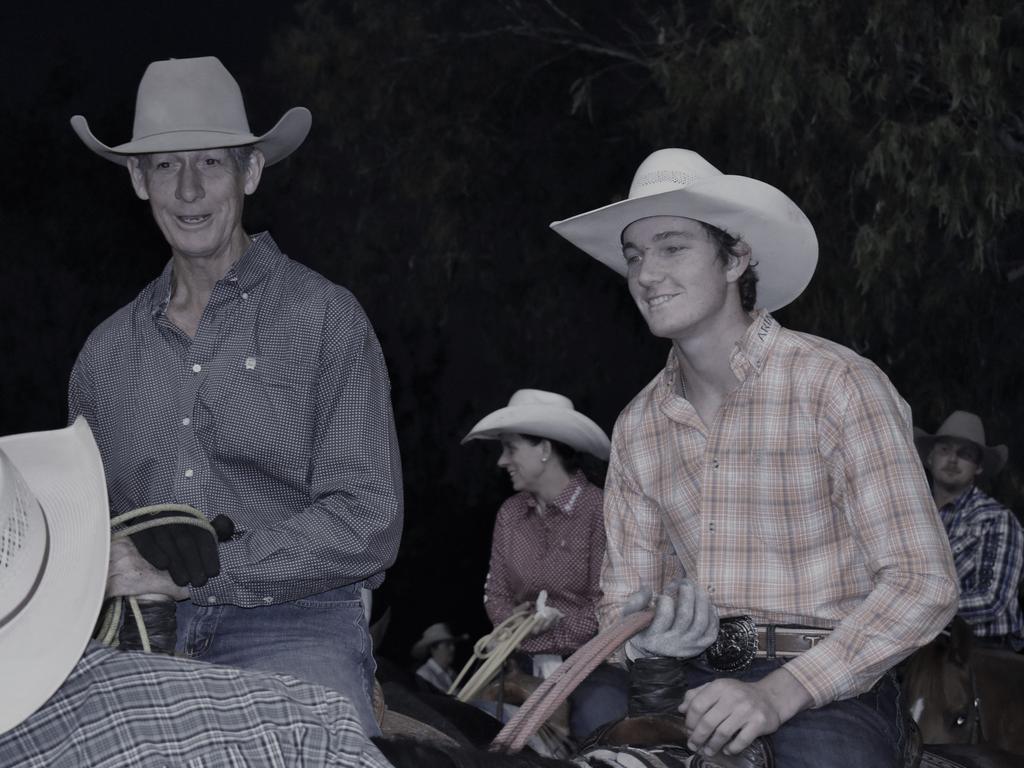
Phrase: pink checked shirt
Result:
[561,551]
[803,503]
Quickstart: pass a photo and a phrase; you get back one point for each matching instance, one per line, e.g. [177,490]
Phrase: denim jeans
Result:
[601,698]
[320,639]
[863,732]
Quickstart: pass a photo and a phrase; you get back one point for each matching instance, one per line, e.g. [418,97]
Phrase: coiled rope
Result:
[556,688]
[492,650]
[108,630]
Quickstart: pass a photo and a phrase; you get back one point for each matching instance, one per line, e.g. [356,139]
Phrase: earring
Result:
[543,459]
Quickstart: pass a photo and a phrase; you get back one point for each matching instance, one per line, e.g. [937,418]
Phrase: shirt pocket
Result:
[262,411]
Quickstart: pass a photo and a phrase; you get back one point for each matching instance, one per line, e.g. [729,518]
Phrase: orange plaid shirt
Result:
[804,503]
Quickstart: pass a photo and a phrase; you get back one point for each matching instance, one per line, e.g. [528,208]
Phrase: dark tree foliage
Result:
[447,134]
[450,133]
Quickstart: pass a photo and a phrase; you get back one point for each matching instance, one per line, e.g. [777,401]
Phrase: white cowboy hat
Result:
[679,182]
[963,425]
[543,414]
[54,546]
[188,104]
[435,633]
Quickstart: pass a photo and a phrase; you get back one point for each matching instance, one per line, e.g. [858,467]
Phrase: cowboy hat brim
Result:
[276,144]
[44,640]
[422,646]
[993,458]
[782,241]
[551,422]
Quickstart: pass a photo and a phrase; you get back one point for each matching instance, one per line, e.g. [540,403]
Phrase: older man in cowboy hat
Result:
[243,384]
[765,476]
[986,537]
[68,702]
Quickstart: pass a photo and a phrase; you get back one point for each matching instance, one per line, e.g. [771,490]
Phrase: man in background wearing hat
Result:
[773,472]
[243,384]
[437,643]
[69,702]
[986,537]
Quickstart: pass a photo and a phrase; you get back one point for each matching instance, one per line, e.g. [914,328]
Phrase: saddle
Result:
[656,686]
[665,735]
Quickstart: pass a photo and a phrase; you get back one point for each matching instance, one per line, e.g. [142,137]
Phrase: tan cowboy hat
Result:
[187,104]
[435,633]
[54,546]
[963,425]
[543,414]
[679,182]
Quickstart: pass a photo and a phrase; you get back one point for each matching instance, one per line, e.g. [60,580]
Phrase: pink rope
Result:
[542,703]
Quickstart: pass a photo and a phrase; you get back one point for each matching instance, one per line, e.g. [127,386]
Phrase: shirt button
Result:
[711,526]
[714,463]
[245,295]
[186,421]
[189,473]
[196,368]
[711,589]
[268,599]
[211,599]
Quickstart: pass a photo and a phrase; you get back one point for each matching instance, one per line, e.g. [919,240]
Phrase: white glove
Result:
[547,616]
[685,622]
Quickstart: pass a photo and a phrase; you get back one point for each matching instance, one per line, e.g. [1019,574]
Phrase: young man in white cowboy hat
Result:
[243,384]
[70,702]
[772,471]
[986,537]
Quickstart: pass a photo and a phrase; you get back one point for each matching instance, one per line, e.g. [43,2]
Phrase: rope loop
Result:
[120,528]
[491,651]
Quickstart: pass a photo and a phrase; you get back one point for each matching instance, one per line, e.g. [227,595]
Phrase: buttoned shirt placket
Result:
[199,364]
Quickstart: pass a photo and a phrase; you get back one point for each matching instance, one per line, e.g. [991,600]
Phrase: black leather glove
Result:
[187,552]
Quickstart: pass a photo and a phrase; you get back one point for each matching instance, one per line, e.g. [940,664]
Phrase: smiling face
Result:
[676,277]
[954,464]
[197,198]
[524,461]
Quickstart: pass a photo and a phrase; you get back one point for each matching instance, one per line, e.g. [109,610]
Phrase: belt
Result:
[740,641]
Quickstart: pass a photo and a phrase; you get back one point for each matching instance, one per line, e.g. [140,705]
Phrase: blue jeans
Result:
[602,697]
[320,639]
[863,732]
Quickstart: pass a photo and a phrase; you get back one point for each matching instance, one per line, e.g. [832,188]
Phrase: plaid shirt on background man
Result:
[988,549]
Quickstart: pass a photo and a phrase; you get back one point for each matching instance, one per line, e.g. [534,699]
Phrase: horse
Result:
[960,692]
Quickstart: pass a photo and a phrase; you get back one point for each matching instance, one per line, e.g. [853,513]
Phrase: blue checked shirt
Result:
[277,413]
[121,708]
[988,550]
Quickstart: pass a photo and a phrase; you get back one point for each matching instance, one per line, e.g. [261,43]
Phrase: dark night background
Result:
[446,136]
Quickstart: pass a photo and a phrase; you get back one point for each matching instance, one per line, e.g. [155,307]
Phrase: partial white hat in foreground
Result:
[54,546]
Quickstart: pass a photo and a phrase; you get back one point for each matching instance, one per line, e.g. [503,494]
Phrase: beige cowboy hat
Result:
[54,547]
[188,104]
[679,182]
[435,633]
[963,425]
[543,414]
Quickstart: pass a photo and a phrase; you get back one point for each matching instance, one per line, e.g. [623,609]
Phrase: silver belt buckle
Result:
[735,647]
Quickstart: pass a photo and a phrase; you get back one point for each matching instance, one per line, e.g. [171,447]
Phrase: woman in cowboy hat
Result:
[549,537]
